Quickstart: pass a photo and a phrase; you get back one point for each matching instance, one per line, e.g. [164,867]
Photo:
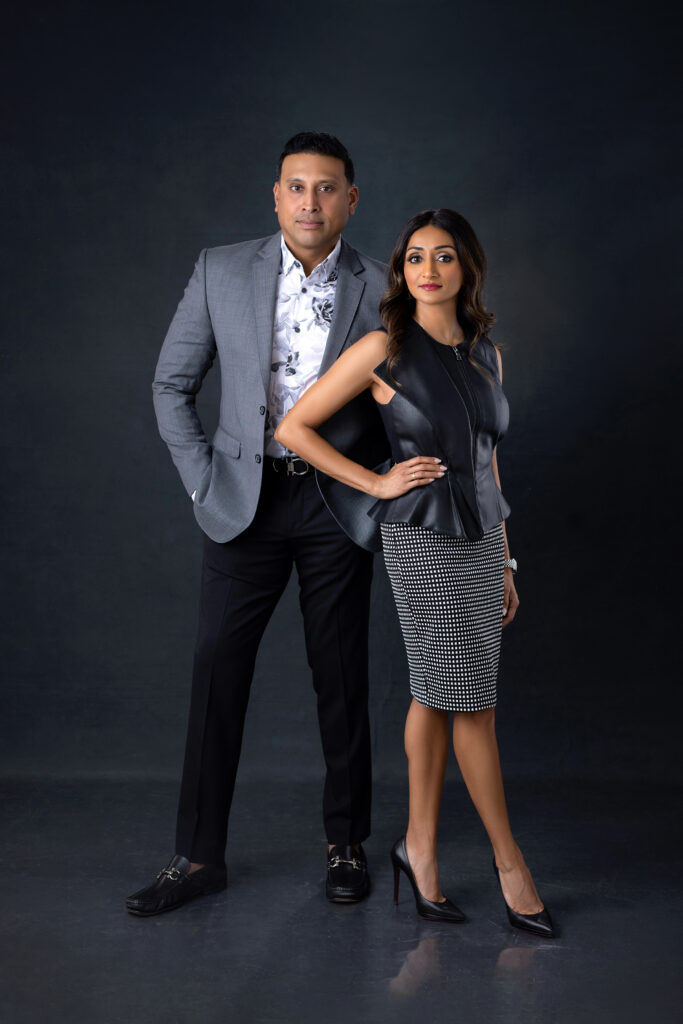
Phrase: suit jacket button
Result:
[258,458]
[262,409]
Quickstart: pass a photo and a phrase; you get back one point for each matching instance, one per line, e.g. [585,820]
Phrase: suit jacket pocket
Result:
[226,444]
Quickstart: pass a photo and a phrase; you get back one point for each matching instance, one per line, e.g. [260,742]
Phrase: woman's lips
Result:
[430,287]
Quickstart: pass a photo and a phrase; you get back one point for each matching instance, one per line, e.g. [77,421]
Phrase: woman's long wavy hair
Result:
[398,305]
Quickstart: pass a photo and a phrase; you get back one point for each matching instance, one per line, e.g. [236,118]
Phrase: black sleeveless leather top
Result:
[449,409]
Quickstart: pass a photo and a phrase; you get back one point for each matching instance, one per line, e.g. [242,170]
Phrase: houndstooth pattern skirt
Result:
[449,596]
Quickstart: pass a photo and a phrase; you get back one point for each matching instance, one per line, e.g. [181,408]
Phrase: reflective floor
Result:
[272,949]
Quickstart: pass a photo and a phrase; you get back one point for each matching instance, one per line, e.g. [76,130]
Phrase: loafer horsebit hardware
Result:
[171,873]
[337,860]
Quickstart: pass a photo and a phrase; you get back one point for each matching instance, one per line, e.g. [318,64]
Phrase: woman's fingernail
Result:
[437,460]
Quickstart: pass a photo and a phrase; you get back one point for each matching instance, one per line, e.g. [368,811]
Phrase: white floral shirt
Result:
[303,315]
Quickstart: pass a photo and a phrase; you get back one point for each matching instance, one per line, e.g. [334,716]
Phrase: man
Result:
[277,312]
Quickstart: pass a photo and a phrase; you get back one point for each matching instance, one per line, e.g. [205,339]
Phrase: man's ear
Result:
[353,199]
[276,193]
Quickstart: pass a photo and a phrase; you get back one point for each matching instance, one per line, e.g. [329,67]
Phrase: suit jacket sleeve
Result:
[186,356]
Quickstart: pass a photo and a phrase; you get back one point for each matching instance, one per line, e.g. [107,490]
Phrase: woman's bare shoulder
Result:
[372,347]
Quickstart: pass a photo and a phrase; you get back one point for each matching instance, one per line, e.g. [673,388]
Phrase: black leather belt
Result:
[290,465]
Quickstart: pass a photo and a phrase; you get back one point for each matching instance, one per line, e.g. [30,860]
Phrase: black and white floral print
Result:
[303,316]
[322,312]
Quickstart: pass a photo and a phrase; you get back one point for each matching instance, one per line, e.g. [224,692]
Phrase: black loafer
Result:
[175,886]
[347,875]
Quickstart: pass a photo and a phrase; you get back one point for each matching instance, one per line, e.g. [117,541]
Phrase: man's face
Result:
[313,200]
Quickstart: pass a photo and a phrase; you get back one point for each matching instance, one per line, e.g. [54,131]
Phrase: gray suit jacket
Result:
[228,310]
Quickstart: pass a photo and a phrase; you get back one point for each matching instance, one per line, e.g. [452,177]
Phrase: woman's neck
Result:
[441,322]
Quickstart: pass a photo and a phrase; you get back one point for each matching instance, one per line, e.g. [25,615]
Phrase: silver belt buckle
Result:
[291,471]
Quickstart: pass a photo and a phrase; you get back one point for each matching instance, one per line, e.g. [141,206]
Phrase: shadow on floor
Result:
[272,949]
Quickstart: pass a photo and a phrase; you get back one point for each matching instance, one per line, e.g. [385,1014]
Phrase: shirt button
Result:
[296,263]
[304,289]
[262,409]
[297,329]
[258,458]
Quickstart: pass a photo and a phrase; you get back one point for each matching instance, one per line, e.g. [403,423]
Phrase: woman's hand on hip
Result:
[402,477]
[510,599]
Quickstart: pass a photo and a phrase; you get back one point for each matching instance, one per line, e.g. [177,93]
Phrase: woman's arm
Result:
[510,598]
[496,476]
[348,377]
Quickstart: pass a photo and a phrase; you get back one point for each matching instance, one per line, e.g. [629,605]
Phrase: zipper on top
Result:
[475,406]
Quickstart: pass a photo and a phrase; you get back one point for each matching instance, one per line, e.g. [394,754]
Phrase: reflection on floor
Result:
[272,949]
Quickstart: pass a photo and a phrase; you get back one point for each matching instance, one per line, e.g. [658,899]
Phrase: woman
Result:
[437,380]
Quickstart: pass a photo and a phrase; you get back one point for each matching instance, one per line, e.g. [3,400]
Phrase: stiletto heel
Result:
[397,879]
[426,909]
[538,924]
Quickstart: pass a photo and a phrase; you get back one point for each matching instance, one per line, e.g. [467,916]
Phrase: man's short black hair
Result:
[317,142]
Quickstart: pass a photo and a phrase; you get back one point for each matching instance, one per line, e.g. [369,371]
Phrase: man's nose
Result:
[310,202]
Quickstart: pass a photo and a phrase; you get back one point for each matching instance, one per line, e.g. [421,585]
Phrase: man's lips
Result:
[430,287]
[309,223]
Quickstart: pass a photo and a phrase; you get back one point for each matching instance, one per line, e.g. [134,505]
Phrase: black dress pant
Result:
[242,582]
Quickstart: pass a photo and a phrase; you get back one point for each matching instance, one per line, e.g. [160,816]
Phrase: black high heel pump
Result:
[538,924]
[445,911]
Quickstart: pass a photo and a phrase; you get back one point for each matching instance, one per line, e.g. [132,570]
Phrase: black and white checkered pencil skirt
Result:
[449,596]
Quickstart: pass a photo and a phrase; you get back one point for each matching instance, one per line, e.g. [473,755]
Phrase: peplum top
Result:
[447,408]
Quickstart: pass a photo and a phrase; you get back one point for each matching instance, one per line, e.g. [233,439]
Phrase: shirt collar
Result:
[324,270]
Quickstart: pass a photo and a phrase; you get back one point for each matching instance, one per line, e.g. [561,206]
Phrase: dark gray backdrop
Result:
[136,135]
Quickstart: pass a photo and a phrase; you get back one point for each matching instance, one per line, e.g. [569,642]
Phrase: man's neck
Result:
[310,258]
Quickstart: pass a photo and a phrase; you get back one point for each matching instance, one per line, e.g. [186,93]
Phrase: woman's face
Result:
[431,266]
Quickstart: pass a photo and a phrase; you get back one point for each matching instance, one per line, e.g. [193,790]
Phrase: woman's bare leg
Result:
[474,742]
[426,744]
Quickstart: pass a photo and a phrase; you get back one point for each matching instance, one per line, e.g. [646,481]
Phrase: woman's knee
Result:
[483,721]
[426,716]
[424,725]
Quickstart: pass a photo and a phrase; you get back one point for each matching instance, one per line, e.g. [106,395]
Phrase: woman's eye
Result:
[413,259]
[445,258]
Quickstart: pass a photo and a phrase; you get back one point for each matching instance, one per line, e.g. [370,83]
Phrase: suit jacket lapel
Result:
[349,291]
[265,273]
